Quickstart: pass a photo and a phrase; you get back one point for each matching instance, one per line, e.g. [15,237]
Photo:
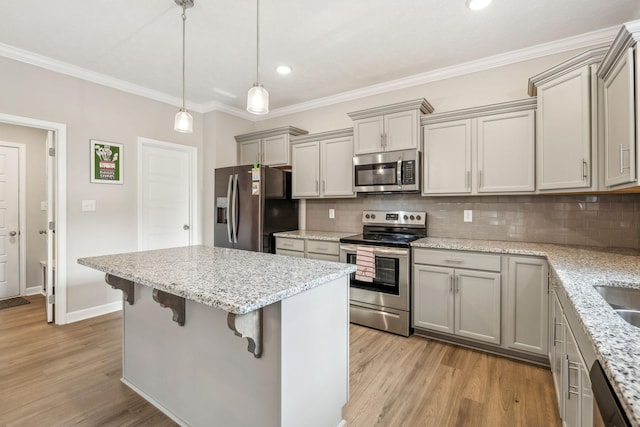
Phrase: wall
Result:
[594,220]
[36,191]
[92,111]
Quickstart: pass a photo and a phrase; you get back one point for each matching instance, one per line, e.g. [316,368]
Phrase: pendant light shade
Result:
[258,100]
[258,97]
[183,121]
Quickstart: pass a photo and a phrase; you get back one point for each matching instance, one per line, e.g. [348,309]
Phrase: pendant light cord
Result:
[184,20]
[258,41]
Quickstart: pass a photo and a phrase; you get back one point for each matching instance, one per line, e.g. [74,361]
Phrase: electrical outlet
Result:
[88,205]
[332,213]
[468,216]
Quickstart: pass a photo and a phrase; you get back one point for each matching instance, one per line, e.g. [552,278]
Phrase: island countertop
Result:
[616,343]
[232,280]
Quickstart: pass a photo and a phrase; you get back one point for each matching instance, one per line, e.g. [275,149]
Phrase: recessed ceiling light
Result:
[478,4]
[283,69]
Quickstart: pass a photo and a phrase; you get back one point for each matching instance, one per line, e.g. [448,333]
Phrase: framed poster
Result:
[106,162]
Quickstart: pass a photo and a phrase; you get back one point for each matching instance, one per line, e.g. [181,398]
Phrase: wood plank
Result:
[70,375]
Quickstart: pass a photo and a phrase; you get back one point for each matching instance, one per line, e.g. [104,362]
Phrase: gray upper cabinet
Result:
[389,128]
[481,150]
[322,165]
[270,147]
[566,137]
[620,76]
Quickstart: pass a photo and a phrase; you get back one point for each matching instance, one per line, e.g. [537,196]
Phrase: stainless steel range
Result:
[383,301]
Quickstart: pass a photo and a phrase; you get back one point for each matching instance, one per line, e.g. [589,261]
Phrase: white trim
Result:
[581,41]
[155,403]
[88,313]
[34,290]
[60,130]
[22,211]
[194,214]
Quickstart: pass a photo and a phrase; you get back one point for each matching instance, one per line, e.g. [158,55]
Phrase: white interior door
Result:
[9,223]
[50,276]
[166,184]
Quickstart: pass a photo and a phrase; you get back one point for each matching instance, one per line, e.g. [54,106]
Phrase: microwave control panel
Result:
[409,172]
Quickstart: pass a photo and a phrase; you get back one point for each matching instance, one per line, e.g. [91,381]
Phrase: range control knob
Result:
[406,217]
[373,216]
[367,216]
[412,218]
[418,217]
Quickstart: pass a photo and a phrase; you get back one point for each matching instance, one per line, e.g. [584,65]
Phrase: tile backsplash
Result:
[596,220]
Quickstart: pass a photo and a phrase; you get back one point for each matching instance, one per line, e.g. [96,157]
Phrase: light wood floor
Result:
[70,375]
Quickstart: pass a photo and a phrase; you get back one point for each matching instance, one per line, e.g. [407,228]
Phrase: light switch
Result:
[468,216]
[332,213]
[43,205]
[88,205]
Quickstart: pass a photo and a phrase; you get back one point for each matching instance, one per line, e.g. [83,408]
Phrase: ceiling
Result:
[333,46]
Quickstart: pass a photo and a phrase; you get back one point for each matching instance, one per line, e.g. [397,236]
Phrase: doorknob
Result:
[12,233]
[185,227]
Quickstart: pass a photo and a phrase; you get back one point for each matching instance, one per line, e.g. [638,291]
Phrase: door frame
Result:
[60,212]
[22,214]
[194,214]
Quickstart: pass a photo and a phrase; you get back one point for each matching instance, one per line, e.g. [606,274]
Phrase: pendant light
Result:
[184,120]
[258,97]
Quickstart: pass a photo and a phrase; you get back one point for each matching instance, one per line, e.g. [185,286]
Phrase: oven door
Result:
[390,287]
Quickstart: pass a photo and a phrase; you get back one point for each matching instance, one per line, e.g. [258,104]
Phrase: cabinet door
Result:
[402,131]
[586,399]
[571,378]
[433,298]
[367,135]
[336,167]
[564,132]
[557,351]
[305,161]
[527,305]
[447,157]
[619,123]
[249,152]
[276,150]
[506,152]
[477,305]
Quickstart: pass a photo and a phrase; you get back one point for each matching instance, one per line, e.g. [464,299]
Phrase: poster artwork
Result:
[106,164]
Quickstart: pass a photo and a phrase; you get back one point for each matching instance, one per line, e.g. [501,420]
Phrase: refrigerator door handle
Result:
[234,209]
[228,207]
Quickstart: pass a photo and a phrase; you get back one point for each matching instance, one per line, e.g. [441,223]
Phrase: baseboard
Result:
[33,290]
[155,403]
[88,313]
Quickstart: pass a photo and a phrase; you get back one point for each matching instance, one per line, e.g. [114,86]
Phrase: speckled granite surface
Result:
[229,279]
[333,236]
[616,342]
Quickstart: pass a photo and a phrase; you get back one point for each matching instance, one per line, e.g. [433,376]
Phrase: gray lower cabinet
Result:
[527,304]
[483,298]
[570,372]
[457,301]
[325,250]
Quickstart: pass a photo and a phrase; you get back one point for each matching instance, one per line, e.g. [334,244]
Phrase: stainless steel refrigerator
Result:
[251,205]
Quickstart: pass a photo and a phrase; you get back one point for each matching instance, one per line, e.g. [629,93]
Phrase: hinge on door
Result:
[52,151]
[52,299]
[52,225]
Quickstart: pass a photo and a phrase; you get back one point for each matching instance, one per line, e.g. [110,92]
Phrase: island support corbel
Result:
[248,325]
[174,302]
[126,286]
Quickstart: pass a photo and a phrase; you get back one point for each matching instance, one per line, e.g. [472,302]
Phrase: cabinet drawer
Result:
[324,257]
[290,244]
[457,259]
[289,253]
[323,247]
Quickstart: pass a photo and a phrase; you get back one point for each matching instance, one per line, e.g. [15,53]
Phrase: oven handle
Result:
[377,250]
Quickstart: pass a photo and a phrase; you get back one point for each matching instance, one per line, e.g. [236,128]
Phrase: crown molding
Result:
[583,41]
[421,105]
[628,36]
[321,136]
[484,110]
[285,130]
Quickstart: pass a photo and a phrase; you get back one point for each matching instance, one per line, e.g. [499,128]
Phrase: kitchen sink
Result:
[625,301]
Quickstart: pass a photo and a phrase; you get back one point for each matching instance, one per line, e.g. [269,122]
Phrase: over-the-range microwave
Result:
[397,171]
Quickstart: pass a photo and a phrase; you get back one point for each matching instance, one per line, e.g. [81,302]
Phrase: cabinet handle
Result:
[457,284]
[621,158]
[324,186]
[454,260]
[479,179]
[622,150]
[317,186]
[572,389]
[451,283]
[467,180]
[585,170]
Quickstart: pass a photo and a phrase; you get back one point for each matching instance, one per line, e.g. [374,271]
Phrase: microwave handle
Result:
[399,172]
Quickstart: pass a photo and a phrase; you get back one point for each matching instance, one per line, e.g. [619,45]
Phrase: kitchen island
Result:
[187,314]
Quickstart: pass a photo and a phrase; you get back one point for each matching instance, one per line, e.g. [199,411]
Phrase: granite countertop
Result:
[616,342]
[232,280]
[333,236]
